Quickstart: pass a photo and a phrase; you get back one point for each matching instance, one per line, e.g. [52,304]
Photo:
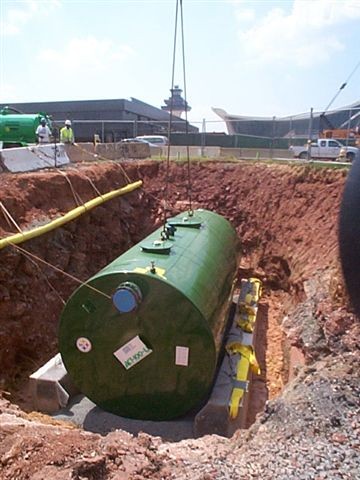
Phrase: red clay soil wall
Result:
[285,216]
[278,211]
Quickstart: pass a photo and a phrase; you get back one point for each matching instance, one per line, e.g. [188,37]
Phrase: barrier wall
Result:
[25,159]
[86,152]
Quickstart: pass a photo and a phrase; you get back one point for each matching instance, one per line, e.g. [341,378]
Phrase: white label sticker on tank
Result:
[132,352]
[182,356]
[83,344]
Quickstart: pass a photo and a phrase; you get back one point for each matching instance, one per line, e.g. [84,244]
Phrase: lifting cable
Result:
[189,191]
[167,176]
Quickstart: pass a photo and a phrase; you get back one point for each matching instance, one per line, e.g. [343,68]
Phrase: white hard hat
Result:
[67,122]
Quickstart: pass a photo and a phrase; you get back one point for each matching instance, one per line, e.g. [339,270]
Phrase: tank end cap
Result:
[127,297]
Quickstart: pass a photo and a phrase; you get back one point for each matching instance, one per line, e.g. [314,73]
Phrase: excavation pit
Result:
[285,216]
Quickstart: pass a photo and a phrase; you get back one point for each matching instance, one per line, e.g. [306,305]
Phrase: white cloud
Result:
[245,15]
[303,37]
[86,54]
[242,12]
[14,19]
[8,92]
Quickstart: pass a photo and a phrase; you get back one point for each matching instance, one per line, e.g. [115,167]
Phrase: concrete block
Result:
[51,387]
[25,159]
[83,152]
[214,417]
[118,151]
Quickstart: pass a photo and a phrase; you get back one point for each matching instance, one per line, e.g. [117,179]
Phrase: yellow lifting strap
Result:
[238,392]
[247,360]
[250,293]
[246,322]
[247,352]
[248,304]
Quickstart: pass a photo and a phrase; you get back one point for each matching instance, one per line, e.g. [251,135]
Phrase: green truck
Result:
[18,129]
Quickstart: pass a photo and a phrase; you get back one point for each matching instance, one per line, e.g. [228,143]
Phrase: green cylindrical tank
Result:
[19,128]
[147,346]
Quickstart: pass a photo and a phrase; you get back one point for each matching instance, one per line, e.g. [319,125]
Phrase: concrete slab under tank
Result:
[84,413]
[53,393]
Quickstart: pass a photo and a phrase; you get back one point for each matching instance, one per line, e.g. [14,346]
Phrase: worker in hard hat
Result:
[67,134]
[43,132]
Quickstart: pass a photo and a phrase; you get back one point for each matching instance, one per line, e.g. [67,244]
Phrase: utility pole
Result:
[310,134]
[203,136]
[272,138]
[348,129]
[55,132]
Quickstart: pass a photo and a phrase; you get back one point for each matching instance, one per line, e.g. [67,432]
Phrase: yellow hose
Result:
[76,212]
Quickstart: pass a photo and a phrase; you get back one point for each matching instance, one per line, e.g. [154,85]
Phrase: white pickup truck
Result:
[325,148]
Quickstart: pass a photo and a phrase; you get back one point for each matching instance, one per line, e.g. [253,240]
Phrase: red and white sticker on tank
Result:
[132,352]
[83,344]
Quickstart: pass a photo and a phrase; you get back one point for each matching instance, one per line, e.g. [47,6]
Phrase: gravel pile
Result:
[311,433]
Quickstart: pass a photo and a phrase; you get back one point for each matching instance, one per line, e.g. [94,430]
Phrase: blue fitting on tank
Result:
[127,297]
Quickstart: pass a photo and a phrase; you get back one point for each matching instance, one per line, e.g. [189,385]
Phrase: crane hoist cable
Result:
[167,176]
[189,190]
[343,85]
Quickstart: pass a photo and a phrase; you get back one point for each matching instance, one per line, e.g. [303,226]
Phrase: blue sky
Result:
[259,58]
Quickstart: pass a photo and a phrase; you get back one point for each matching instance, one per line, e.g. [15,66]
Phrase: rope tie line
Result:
[77,198]
[9,218]
[96,190]
[45,278]
[100,157]
[75,279]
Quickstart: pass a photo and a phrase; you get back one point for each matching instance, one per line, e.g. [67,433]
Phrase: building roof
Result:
[292,125]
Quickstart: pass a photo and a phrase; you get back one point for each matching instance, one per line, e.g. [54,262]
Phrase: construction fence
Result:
[270,133]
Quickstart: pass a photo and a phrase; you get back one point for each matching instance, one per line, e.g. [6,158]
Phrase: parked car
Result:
[132,140]
[154,140]
[325,148]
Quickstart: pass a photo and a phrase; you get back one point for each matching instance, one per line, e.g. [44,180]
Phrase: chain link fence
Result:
[271,136]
